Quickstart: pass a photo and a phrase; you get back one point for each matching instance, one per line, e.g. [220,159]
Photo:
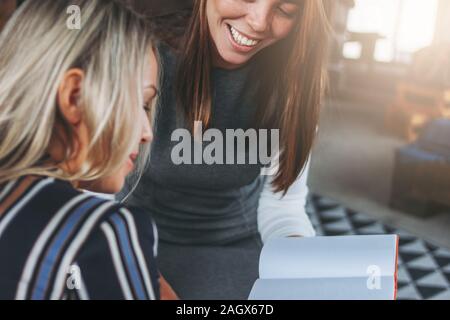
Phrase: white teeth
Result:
[242,40]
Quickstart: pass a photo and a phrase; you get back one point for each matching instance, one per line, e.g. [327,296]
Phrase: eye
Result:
[148,108]
[150,104]
[288,10]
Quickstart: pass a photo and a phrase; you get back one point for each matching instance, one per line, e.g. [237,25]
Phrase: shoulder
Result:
[70,230]
[117,221]
[118,259]
[133,222]
[83,218]
[96,209]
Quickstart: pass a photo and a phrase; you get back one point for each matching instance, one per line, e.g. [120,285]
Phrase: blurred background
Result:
[384,144]
[382,160]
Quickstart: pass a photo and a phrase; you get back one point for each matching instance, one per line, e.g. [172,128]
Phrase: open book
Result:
[328,268]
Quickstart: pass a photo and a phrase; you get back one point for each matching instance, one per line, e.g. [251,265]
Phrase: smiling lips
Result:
[242,40]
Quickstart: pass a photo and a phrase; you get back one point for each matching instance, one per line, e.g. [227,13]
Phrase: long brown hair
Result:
[290,85]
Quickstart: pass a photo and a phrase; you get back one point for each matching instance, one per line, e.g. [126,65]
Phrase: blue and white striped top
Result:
[59,243]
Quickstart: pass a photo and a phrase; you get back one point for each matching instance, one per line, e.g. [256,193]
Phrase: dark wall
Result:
[161,7]
[6,9]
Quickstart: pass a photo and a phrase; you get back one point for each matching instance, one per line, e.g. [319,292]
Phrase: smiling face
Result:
[241,28]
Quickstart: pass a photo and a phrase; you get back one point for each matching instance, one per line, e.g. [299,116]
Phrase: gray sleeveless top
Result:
[198,203]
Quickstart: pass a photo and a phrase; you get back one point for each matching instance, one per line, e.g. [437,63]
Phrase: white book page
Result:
[323,289]
[329,257]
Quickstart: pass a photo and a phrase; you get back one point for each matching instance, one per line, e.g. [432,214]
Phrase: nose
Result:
[259,16]
[147,132]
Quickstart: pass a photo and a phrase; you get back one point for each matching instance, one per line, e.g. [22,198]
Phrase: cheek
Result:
[225,8]
[123,172]
[282,28]
[219,10]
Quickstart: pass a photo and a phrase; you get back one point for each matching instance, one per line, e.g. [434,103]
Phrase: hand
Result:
[167,292]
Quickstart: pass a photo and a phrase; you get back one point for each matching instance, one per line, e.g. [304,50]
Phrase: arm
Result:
[167,292]
[285,216]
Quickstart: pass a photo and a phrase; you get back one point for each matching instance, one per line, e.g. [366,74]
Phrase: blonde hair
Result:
[36,49]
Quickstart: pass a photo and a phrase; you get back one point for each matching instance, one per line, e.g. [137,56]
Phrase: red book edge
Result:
[396,269]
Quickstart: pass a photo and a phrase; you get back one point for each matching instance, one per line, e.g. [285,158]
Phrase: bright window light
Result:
[406,25]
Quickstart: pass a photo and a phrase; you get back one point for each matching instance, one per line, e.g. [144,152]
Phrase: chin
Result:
[115,184]
[237,61]
[234,59]
[111,185]
[114,187]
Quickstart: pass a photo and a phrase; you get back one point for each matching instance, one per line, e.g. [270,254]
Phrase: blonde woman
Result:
[73,109]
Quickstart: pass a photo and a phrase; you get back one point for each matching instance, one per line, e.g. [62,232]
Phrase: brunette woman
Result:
[242,65]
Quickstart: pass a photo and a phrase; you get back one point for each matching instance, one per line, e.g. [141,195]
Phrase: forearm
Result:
[285,216]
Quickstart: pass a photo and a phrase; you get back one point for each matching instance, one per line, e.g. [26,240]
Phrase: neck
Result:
[219,62]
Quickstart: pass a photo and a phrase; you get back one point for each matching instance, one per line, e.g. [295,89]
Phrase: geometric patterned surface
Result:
[423,268]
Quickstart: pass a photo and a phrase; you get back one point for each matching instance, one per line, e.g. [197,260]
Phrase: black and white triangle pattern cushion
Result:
[424,269]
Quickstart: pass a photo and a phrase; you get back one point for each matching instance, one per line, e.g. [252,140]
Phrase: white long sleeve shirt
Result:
[286,216]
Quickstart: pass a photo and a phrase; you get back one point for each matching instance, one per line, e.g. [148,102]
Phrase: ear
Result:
[68,96]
